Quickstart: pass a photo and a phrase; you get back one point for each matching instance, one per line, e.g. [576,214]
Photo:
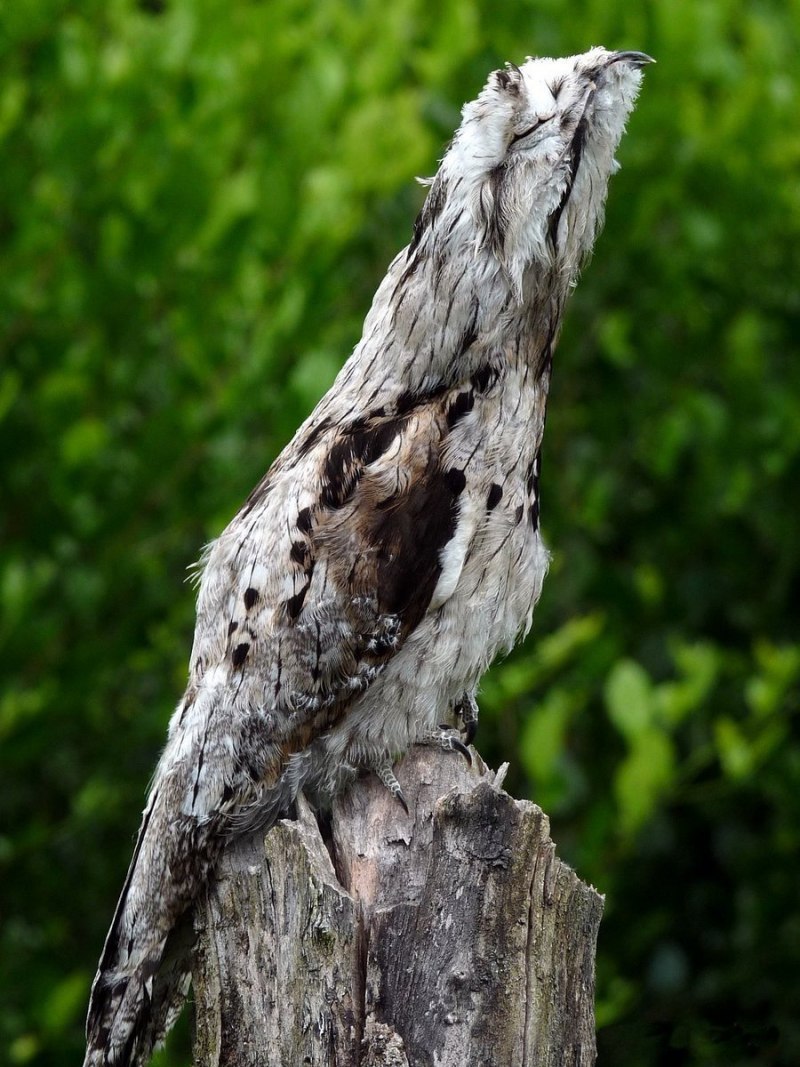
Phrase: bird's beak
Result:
[637,59]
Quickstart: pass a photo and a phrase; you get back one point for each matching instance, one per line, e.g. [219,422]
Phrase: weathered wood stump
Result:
[453,936]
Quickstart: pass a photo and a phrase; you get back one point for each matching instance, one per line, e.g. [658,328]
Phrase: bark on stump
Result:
[451,937]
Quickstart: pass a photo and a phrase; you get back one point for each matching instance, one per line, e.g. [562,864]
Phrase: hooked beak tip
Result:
[636,59]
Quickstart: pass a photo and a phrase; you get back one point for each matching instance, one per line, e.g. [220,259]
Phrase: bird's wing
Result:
[318,581]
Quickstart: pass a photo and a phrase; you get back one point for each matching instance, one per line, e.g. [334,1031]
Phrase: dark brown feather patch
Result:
[408,539]
[240,654]
[358,447]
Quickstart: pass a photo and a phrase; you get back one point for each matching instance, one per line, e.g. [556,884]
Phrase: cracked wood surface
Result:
[449,937]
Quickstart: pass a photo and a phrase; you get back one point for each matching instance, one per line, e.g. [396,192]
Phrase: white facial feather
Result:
[518,141]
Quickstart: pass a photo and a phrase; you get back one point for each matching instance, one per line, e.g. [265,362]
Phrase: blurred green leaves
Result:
[647,715]
[199,201]
[648,768]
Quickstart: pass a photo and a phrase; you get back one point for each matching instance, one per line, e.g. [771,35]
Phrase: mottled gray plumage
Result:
[393,548]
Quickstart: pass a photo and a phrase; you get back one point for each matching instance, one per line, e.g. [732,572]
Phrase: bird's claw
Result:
[450,741]
[385,773]
[467,711]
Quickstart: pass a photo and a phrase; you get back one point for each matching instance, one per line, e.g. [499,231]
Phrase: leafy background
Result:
[199,198]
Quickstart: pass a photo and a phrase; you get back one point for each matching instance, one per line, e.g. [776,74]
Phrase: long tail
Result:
[144,971]
[193,810]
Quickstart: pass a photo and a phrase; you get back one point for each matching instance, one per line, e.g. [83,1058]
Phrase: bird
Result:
[393,550]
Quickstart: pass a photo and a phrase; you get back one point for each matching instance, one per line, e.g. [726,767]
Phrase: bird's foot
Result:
[448,738]
[385,773]
[467,711]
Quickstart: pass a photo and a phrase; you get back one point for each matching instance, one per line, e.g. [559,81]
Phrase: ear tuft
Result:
[508,80]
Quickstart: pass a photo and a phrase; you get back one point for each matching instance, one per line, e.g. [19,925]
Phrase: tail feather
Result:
[144,971]
[130,1015]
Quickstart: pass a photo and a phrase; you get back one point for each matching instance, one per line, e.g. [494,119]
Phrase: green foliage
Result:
[199,200]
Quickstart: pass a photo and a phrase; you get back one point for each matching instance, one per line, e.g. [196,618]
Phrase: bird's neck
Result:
[436,318]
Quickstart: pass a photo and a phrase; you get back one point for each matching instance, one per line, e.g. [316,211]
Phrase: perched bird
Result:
[393,549]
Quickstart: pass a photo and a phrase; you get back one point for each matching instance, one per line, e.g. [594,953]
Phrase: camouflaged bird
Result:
[393,549]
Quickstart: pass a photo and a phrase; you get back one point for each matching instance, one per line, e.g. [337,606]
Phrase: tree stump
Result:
[452,936]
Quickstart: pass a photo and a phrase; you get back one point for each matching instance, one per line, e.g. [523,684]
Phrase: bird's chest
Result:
[493,567]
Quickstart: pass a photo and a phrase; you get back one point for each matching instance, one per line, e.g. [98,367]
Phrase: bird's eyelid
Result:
[539,121]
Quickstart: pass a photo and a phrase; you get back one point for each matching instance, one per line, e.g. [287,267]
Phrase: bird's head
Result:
[532,157]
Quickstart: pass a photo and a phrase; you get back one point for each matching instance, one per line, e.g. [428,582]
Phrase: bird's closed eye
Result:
[530,129]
